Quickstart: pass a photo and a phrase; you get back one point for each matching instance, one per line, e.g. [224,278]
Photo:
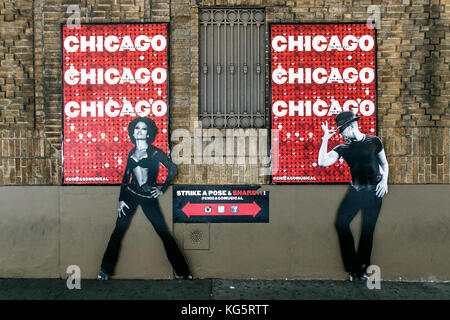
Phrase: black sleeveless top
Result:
[155,157]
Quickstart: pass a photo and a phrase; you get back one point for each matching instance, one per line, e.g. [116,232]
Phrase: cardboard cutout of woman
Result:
[143,163]
[365,156]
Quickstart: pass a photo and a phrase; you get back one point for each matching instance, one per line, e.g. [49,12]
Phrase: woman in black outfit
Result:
[143,164]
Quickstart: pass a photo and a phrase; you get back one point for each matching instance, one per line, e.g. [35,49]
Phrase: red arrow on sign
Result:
[243,209]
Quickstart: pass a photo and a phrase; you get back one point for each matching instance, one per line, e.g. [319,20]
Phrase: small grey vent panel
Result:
[196,236]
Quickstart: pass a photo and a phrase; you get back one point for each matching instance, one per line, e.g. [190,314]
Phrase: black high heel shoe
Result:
[352,276]
[102,275]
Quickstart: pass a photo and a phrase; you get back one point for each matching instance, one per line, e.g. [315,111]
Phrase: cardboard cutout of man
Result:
[365,156]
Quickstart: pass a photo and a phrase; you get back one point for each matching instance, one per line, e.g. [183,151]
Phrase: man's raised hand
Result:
[327,133]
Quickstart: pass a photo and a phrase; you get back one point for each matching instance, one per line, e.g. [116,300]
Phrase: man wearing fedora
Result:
[365,156]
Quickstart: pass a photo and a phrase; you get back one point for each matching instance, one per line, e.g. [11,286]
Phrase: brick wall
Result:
[413,80]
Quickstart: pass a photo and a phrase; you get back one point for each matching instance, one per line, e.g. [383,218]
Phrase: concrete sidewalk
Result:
[219,289]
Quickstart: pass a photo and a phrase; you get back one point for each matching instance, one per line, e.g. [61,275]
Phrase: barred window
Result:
[232,68]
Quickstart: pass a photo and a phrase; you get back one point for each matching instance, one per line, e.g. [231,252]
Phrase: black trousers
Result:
[152,211]
[370,204]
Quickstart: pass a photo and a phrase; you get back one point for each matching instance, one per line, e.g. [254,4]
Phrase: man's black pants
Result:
[152,211]
[370,204]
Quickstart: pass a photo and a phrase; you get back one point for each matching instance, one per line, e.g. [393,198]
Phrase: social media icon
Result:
[234,209]
[221,209]
[208,209]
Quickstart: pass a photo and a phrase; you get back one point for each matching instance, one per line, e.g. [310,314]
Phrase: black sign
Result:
[220,204]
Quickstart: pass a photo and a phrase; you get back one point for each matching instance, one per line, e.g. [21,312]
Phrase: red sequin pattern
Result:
[95,148]
[299,138]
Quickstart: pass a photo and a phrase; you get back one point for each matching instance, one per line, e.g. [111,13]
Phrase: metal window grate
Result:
[232,68]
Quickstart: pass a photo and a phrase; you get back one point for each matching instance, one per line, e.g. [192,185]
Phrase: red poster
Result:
[112,74]
[317,71]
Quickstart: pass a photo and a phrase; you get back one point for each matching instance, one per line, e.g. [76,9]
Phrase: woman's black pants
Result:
[151,209]
[370,204]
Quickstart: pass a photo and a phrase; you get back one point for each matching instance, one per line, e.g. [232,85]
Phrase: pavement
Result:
[219,289]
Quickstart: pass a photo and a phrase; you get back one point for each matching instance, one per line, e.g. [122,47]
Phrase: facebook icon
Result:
[234,209]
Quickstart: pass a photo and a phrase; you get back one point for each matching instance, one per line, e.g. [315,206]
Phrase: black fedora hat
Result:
[344,119]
